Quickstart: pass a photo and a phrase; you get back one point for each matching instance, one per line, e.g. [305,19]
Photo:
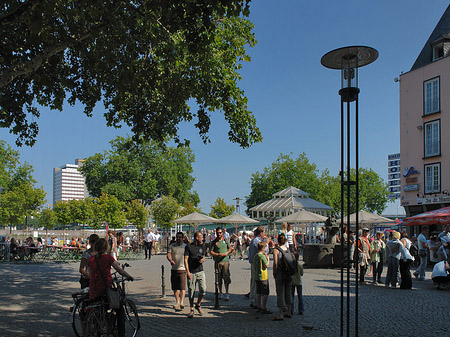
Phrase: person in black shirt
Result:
[194,256]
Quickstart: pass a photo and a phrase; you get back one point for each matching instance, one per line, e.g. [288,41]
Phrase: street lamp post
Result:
[348,60]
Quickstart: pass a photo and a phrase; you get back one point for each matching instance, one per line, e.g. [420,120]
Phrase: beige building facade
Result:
[425,125]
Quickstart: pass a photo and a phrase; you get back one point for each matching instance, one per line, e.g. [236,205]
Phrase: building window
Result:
[431,96]
[433,178]
[432,139]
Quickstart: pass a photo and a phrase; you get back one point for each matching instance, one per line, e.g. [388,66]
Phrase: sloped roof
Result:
[284,200]
[440,31]
[291,191]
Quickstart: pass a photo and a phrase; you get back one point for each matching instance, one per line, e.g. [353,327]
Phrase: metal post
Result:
[163,287]
[216,283]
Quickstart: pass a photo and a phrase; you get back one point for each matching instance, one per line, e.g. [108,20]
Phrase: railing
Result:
[57,254]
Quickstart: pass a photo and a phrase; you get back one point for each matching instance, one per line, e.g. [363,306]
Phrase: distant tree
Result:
[47,219]
[323,187]
[137,214]
[143,171]
[111,210]
[221,209]
[146,60]
[188,208]
[285,171]
[164,210]
[19,198]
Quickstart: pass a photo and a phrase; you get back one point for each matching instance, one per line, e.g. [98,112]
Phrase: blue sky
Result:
[294,98]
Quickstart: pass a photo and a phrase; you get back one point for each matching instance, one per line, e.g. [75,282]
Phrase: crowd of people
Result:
[187,271]
[399,253]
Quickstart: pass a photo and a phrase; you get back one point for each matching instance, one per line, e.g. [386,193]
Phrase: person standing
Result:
[282,280]
[175,255]
[253,250]
[394,246]
[364,257]
[156,239]
[148,244]
[296,284]
[422,245]
[405,263]
[376,248]
[112,242]
[220,249]
[84,279]
[290,238]
[194,256]
[261,263]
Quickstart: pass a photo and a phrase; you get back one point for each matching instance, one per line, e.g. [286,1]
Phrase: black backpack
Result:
[287,263]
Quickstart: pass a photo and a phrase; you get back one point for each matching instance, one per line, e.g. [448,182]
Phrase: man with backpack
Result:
[284,266]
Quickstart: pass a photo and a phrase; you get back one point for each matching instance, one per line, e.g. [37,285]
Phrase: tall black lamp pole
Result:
[348,60]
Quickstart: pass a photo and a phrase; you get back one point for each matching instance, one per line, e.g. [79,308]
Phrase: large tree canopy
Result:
[286,171]
[144,170]
[146,59]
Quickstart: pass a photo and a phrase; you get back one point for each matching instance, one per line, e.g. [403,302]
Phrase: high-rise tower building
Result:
[68,182]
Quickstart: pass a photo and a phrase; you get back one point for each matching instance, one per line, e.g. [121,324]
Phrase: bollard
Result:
[216,282]
[163,287]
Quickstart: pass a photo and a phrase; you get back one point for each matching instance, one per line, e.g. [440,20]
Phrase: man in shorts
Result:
[194,256]
[175,255]
[220,249]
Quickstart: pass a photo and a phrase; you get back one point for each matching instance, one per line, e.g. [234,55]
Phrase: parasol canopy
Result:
[303,216]
[195,219]
[436,217]
[365,217]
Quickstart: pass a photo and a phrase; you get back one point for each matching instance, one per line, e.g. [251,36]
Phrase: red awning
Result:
[437,217]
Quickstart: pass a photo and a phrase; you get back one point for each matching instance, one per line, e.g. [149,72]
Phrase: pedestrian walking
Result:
[405,262]
[220,249]
[194,256]
[259,233]
[376,248]
[364,257]
[148,244]
[175,255]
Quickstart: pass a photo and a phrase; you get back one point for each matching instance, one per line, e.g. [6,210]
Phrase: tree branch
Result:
[8,75]
[19,10]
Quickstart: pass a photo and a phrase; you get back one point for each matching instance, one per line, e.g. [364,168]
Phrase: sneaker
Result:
[227,297]
[191,314]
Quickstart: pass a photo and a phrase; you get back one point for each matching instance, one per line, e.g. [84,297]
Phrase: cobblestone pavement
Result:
[35,301]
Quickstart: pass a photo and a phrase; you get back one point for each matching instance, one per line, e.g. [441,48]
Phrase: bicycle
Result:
[95,318]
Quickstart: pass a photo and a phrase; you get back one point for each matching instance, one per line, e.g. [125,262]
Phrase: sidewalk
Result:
[36,298]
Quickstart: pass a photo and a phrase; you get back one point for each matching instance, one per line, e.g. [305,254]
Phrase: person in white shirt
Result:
[290,238]
[148,244]
[422,246]
[156,238]
[440,276]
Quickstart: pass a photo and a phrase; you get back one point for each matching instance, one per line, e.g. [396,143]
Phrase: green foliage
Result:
[164,211]
[111,210]
[188,208]
[142,170]
[220,209]
[19,198]
[47,218]
[144,59]
[65,212]
[137,214]
[287,171]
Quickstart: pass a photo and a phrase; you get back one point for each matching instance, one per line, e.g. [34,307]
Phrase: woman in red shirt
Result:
[105,262]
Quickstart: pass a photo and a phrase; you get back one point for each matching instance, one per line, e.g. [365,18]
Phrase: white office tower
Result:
[68,182]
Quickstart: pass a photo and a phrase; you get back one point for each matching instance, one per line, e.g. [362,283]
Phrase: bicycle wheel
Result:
[78,318]
[95,322]
[132,324]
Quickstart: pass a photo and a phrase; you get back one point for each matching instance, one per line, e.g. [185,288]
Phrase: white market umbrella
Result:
[237,219]
[195,219]
[365,217]
[303,216]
